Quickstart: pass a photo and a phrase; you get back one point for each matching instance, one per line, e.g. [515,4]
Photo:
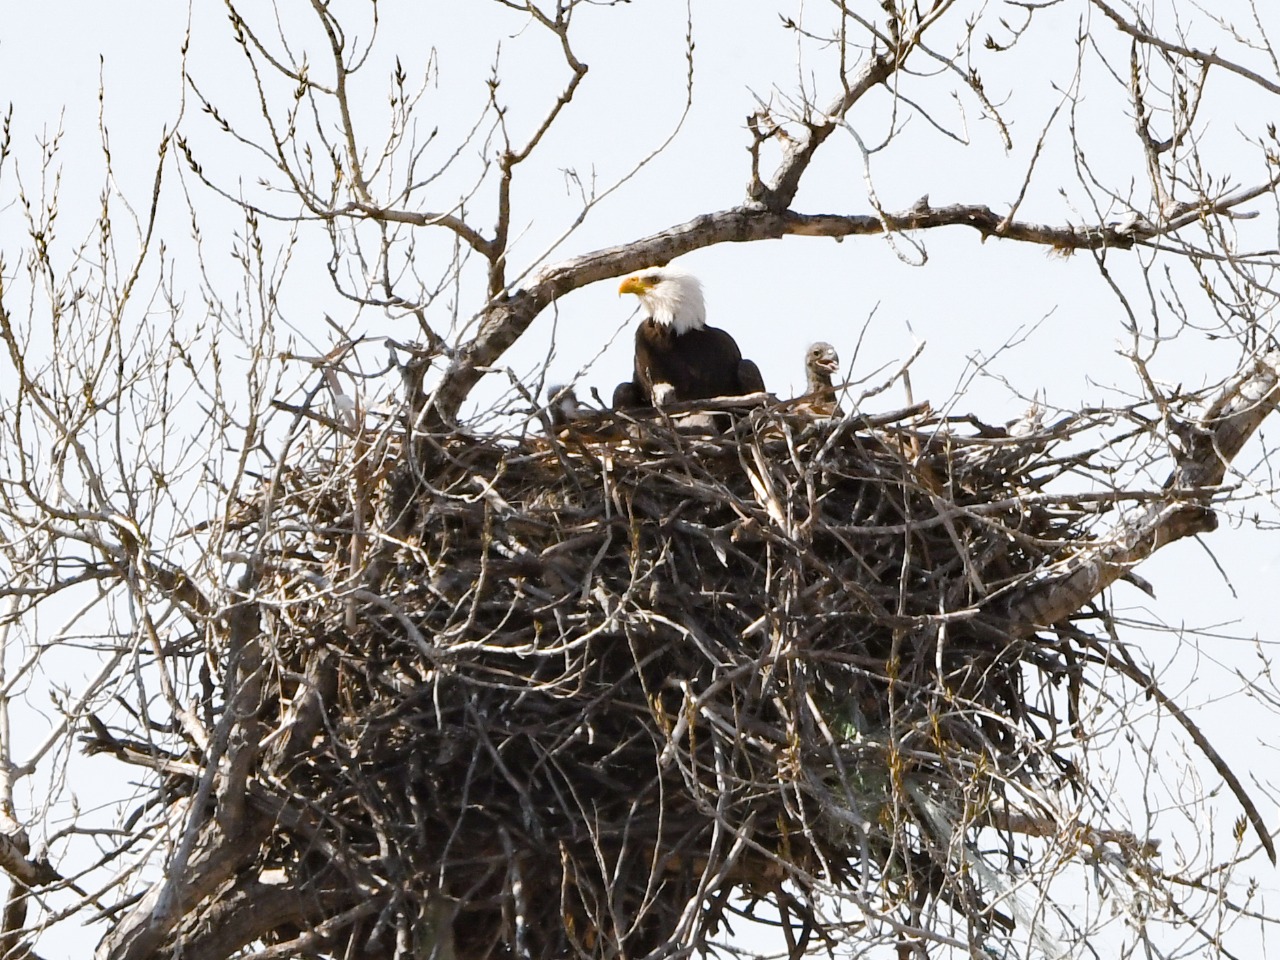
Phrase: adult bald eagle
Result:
[678,357]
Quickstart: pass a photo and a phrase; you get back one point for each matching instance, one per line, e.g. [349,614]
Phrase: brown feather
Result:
[699,364]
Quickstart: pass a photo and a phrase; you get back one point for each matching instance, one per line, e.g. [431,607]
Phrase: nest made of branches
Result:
[612,685]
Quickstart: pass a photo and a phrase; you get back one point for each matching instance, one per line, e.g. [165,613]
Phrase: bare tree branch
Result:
[1211,443]
[1191,53]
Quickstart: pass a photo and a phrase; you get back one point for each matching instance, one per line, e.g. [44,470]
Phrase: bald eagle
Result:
[562,405]
[678,357]
[821,362]
[571,420]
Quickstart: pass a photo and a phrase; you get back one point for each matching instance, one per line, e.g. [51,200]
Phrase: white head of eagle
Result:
[672,297]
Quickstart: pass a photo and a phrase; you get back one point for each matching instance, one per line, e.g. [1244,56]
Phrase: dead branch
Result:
[1214,440]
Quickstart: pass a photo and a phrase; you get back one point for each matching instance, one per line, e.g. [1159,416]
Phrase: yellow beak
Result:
[632,284]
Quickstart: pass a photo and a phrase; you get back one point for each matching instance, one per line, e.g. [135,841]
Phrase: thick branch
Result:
[506,319]
[252,910]
[145,931]
[148,929]
[213,849]
[1221,433]
[779,195]
[15,862]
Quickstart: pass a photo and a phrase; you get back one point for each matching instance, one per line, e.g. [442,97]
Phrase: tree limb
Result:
[1215,440]
[505,319]
[14,860]
[251,910]
[144,931]
[1191,53]
[780,194]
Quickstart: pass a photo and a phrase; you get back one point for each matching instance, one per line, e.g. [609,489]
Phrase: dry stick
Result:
[1139,676]
[1191,53]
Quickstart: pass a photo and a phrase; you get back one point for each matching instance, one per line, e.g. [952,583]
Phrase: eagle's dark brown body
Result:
[698,364]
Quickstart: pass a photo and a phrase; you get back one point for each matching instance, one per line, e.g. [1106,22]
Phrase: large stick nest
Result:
[614,685]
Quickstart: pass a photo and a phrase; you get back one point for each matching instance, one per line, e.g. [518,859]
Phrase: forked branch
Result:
[1212,444]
